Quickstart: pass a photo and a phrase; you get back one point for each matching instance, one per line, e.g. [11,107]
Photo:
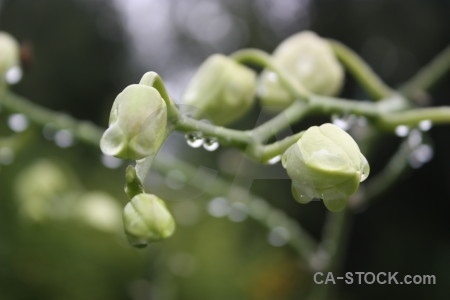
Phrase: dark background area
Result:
[78,55]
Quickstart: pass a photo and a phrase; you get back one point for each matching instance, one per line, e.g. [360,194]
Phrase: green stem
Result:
[152,79]
[90,134]
[272,150]
[290,115]
[300,240]
[392,173]
[263,59]
[437,115]
[84,131]
[226,136]
[428,75]
[331,250]
[361,71]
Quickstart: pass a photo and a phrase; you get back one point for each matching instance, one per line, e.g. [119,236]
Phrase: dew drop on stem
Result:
[194,139]
[211,144]
[401,130]
[18,122]
[425,125]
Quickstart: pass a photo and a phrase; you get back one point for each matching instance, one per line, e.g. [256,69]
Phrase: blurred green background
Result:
[79,54]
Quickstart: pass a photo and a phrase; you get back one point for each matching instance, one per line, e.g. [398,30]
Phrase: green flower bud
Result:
[310,61]
[147,219]
[325,163]
[9,52]
[222,90]
[137,123]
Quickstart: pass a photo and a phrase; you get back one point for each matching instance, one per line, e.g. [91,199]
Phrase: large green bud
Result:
[137,123]
[325,163]
[222,90]
[9,52]
[308,60]
[147,219]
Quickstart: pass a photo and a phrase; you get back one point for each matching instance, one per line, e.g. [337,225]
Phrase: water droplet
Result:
[13,75]
[6,156]
[238,212]
[420,156]
[401,130]
[425,125]
[175,180]
[299,192]
[18,122]
[64,138]
[278,236]
[340,122]
[365,168]
[219,207]
[211,144]
[111,162]
[194,139]
[274,160]
[414,138]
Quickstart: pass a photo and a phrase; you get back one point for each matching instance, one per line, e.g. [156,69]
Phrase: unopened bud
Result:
[308,60]
[222,90]
[147,219]
[325,163]
[137,124]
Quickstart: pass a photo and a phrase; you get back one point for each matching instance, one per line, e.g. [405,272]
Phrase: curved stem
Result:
[263,59]
[290,115]
[152,79]
[428,75]
[391,174]
[361,71]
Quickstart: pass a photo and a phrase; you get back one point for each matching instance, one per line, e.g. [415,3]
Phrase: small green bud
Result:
[325,163]
[147,219]
[9,52]
[310,61]
[222,90]
[137,123]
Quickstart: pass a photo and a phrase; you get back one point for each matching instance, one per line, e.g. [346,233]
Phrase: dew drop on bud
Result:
[210,144]
[194,139]
[401,130]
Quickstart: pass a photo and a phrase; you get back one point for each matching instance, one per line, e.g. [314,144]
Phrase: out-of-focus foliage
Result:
[77,55]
